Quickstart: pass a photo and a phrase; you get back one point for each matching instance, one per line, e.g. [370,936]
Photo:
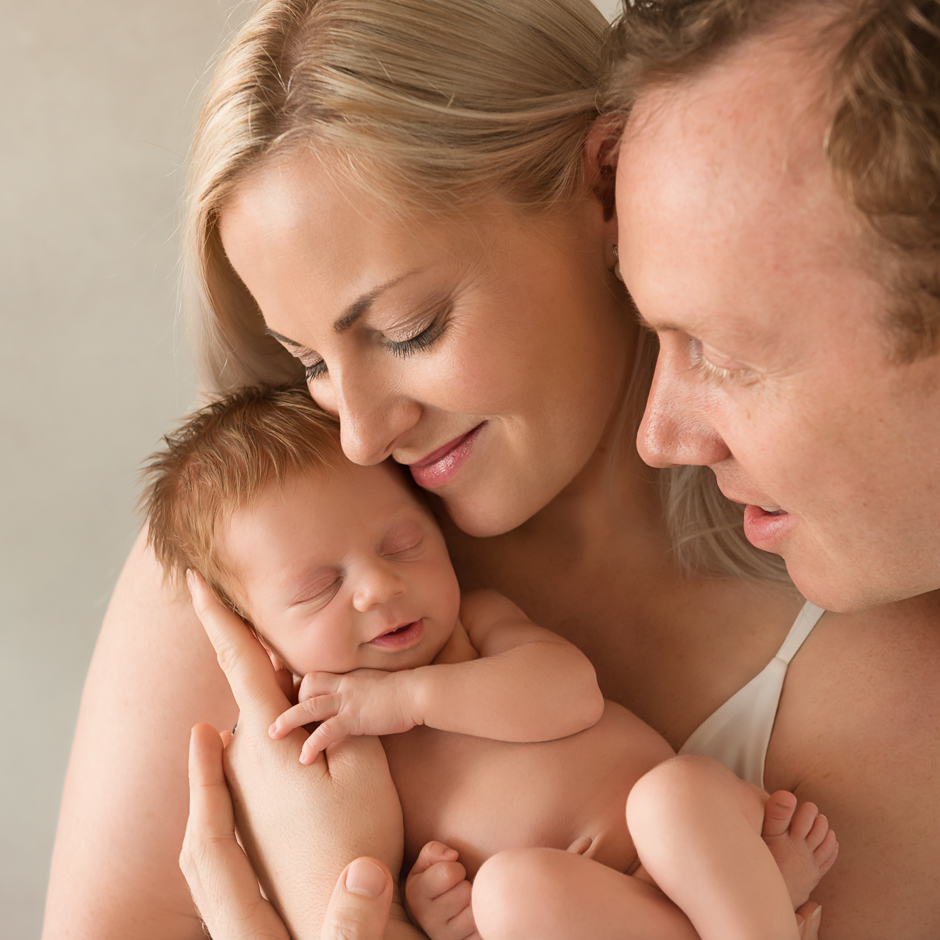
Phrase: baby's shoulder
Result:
[484,603]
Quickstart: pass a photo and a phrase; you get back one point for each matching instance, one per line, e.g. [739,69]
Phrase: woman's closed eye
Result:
[422,337]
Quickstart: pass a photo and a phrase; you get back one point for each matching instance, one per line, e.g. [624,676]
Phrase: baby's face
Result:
[343,569]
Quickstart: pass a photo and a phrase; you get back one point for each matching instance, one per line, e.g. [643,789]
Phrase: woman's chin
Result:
[486,518]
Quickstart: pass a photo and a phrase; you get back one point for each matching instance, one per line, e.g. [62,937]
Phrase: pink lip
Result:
[765,530]
[442,465]
[401,638]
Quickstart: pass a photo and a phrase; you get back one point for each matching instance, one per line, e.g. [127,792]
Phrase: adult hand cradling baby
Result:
[308,835]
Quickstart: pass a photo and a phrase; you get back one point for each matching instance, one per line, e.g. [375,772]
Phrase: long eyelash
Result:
[314,371]
[427,337]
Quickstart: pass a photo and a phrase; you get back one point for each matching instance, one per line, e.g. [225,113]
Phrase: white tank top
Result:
[737,734]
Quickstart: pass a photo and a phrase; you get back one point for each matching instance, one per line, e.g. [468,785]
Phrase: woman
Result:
[416,197]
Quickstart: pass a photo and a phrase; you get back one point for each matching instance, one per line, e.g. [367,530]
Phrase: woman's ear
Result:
[601,149]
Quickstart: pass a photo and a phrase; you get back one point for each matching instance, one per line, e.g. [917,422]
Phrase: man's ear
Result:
[601,150]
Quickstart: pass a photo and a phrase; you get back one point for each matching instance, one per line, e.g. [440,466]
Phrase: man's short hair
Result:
[220,459]
[883,142]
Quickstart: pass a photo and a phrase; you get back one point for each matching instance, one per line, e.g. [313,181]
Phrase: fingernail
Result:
[366,878]
[190,580]
[817,913]
[273,729]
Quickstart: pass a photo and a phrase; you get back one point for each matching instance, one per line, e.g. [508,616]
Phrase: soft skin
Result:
[495,731]
[591,561]
[523,299]
[766,290]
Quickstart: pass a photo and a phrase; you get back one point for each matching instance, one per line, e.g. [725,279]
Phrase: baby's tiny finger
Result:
[328,733]
[431,853]
[462,925]
[454,907]
[313,709]
[440,878]
[317,683]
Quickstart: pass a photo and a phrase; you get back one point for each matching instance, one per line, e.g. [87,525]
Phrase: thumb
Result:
[807,920]
[360,903]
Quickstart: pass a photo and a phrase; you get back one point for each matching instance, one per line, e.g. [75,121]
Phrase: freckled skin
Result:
[768,299]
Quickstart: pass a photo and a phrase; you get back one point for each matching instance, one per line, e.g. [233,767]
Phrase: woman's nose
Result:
[377,585]
[675,430]
[372,418]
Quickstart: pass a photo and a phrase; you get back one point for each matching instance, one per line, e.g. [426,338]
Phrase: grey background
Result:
[98,103]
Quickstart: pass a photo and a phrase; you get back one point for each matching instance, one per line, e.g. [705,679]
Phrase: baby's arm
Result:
[527,684]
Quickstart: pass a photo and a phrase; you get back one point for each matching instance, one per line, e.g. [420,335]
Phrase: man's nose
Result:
[675,429]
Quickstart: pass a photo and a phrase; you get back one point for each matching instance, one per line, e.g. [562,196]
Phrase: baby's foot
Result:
[438,894]
[801,843]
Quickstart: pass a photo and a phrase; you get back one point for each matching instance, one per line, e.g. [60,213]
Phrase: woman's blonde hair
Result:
[434,103]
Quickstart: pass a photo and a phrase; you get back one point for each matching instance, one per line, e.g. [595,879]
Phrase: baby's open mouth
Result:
[403,637]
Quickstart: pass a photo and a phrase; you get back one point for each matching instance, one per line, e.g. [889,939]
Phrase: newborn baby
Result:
[515,776]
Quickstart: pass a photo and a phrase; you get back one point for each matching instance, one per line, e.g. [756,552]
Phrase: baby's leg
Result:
[697,829]
[542,894]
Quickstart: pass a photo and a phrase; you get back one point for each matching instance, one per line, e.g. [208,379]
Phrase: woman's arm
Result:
[225,888]
[154,675]
[301,826]
[115,871]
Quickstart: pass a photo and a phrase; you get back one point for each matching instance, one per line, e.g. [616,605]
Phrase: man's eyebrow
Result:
[353,312]
[661,328]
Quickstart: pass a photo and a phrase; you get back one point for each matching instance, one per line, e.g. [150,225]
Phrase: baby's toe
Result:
[817,832]
[778,813]
[826,853]
[803,821]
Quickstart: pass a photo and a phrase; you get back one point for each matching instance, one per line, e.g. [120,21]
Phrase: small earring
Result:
[617,273]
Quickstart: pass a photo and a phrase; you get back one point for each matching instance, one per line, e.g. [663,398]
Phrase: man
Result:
[778,196]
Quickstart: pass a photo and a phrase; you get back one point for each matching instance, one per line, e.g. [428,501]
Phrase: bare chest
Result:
[669,648]
[480,796]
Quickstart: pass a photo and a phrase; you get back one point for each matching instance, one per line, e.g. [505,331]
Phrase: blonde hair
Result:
[219,460]
[435,103]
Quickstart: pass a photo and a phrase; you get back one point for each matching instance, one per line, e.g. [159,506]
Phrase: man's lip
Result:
[436,455]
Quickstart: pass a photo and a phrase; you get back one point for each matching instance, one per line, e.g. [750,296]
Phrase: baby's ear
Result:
[276,660]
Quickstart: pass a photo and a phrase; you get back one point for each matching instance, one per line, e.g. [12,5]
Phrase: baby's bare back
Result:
[481,796]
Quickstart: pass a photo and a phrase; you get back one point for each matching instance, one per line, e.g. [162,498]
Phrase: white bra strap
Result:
[801,629]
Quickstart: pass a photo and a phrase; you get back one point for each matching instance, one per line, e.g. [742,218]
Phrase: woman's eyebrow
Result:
[282,339]
[358,307]
[353,312]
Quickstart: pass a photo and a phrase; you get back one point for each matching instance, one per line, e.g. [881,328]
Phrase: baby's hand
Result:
[438,895]
[366,701]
